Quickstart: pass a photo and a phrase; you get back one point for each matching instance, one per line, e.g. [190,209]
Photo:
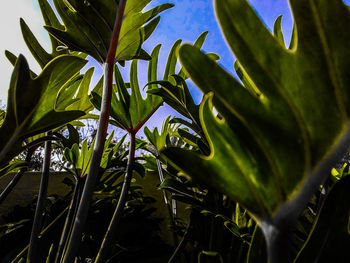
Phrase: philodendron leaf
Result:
[130,110]
[329,240]
[268,151]
[173,88]
[30,106]
[88,27]
[75,94]
[81,158]
[229,156]
[160,139]
[38,52]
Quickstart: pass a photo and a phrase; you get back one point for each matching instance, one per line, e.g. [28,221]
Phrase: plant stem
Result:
[120,206]
[277,241]
[69,219]
[40,206]
[181,245]
[83,209]
[17,176]
[277,229]
[17,258]
[171,207]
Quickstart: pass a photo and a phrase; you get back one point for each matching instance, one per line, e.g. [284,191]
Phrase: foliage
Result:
[93,36]
[30,103]
[248,182]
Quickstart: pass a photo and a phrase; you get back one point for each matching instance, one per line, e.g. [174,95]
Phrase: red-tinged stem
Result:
[85,201]
[106,243]
[40,206]
[140,125]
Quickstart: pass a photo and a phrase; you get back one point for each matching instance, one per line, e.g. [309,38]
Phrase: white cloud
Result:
[11,37]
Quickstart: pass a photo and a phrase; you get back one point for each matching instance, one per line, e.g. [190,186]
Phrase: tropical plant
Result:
[255,173]
[273,148]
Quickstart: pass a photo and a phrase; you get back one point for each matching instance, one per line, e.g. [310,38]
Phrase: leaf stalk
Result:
[83,209]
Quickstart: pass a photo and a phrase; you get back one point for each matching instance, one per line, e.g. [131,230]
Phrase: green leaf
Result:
[81,158]
[73,137]
[178,97]
[2,116]
[229,156]
[13,59]
[186,123]
[198,43]
[88,26]
[12,167]
[39,53]
[173,88]
[81,100]
[246,80]
[172,60]
[329,240]
[271,144]
[30,106]
[188,137]
[50,19]
[131,111]
[277,30]
[159,139]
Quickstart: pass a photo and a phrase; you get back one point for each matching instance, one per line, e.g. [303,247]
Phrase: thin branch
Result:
[106,243]
[42,233]
[69,219]
[40,206]
[172,207]
[83,209]
[181,245]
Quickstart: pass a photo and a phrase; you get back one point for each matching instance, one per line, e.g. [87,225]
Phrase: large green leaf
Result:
[88,27]
[66,96]
[30,105]
[268,150]
[229,156]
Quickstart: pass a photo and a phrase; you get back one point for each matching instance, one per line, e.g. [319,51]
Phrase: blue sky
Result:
[187,20]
